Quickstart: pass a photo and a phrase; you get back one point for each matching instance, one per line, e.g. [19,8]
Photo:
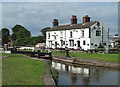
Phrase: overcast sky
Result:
[35,16]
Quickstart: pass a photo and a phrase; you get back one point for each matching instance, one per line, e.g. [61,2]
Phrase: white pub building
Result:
[85,35]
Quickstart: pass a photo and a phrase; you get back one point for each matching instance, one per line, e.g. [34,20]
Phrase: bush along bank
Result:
[53,72]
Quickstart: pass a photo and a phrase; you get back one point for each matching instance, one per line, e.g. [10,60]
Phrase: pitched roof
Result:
[73,26]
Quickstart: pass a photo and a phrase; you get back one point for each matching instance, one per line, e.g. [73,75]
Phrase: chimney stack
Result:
[55,22]
[74,19]
[86,19]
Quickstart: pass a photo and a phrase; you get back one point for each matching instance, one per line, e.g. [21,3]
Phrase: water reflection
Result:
[79,75]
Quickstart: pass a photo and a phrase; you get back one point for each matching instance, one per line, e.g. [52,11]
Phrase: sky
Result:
[35,16]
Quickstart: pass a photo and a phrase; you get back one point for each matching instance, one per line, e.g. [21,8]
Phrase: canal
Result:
[71,75]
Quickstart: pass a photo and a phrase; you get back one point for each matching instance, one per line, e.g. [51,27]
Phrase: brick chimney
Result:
[55,22]
[74,19]
[86,19]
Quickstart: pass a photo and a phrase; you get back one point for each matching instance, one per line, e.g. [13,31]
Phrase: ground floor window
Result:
[50,44]
[71,43]
[78,43]
[61,42]
[84,42]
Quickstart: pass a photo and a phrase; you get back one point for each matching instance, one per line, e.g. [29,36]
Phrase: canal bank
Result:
[82,61]
[47,78]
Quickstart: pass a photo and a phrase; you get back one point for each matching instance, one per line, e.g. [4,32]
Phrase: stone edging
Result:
[80,61]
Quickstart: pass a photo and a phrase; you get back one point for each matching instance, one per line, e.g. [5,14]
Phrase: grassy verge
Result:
[20,70]
[113,58]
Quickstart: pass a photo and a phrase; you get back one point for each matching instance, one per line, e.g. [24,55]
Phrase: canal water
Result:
[71,75]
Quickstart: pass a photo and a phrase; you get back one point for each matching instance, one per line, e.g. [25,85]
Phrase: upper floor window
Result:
[71,34]
[61,33]
[82,33]
[48,35]
[98,33]
[55,37]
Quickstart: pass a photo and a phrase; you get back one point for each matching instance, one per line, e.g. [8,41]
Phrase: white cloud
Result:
[35,16]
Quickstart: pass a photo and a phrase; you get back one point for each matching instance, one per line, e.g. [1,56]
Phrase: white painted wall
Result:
[77,36]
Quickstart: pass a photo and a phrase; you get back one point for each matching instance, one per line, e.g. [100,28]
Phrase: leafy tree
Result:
[43,31]
[19,35]
[19,42]
[5,35]
[33,40]
[19,32]
[22,33]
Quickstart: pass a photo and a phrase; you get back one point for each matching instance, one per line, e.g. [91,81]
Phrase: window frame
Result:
[98,32]
[71,34]
[84,42]
[83,33]
[48,35]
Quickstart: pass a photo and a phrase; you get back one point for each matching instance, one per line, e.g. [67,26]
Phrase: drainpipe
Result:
[102,35]
[65,38]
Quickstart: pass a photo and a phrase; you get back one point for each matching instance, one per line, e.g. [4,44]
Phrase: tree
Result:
[33,40]
[22,33]
[19,35]
[19,32]
[43,31]
[5,36]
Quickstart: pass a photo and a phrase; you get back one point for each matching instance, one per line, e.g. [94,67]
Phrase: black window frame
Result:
[71,34]
[98,32]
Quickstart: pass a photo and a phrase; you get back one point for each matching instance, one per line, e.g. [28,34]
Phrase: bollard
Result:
[50,55]
[67,52]
[39,53]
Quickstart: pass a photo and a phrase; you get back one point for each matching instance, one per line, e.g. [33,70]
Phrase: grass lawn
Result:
[20,70]
[113,58]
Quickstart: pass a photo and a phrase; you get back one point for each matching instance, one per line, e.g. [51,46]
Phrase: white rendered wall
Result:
[77,36]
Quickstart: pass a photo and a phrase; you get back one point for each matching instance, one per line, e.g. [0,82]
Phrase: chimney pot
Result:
[86,18]
[74,19]
[55,22]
